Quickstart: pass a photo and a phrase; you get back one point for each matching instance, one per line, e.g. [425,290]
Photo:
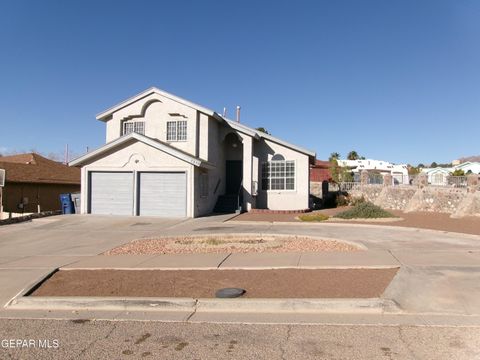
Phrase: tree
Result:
[334,157]
[262,129]
[412,170]
[352,155]
[433,165]
[458,172]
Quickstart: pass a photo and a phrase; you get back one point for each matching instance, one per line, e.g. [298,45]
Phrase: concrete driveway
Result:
[439,274]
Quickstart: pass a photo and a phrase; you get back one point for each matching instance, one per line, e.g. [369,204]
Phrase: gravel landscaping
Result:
[422,220]
[237,243]
[275,283]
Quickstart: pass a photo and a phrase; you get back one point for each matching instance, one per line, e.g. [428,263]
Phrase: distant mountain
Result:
[470,158]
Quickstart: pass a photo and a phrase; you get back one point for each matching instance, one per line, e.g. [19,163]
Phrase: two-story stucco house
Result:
[166,156]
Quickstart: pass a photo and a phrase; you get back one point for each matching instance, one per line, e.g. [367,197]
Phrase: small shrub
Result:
[313,217]
[357,201]
[365,210]
[342,200]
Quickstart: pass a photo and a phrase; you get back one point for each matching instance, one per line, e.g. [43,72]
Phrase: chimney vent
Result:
[238,114]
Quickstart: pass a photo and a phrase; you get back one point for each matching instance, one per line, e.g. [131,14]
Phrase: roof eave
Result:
[259,134]
[146,140]
[105,115]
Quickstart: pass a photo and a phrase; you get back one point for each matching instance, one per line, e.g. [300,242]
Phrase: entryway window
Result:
[278,175]
[133,126]
[177,130]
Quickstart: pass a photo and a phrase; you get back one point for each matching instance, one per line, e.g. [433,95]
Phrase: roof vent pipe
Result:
[238,114]
[224,112]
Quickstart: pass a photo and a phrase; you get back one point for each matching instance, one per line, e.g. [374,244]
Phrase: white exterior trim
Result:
[103,116]
[154,143]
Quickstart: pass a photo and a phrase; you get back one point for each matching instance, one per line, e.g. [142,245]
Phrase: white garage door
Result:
[111,193]
[162,194]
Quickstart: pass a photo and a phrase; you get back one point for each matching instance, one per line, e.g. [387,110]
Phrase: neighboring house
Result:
[166,156]
[320,171]
[468,167]
[34,183]
[437,176]
[399,172]
[440,175]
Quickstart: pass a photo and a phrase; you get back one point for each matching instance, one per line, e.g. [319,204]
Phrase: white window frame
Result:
[177,130]
[272,170]
[136,127]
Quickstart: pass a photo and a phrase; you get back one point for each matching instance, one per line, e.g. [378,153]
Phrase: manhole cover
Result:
[227,293]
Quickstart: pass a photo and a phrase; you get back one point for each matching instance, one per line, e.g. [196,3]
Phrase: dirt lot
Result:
[425,220]
[279,283]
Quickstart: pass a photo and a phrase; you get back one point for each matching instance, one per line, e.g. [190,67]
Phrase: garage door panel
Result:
[111,193]
[162,194]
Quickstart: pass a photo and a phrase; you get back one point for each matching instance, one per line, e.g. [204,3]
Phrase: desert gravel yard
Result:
[227,243]
[275,283]
[422,220]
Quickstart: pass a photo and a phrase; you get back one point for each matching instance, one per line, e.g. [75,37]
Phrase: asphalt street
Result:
[84,339]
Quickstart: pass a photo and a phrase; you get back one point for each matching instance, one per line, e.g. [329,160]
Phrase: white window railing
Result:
[133,126]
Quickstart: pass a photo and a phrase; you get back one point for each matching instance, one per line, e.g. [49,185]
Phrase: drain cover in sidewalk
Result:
[228,293]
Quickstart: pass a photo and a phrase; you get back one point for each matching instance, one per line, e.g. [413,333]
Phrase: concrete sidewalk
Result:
[439,271]
[330,260]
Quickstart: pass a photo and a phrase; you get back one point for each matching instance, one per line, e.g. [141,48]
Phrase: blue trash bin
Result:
[67,204]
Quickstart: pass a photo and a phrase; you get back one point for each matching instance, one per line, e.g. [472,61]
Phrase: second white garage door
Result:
[162,194]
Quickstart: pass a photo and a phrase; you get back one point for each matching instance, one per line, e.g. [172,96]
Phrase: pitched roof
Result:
[34,168]
[105,116]
[146,140]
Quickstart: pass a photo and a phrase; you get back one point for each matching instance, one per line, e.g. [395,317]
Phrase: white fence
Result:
[446,181]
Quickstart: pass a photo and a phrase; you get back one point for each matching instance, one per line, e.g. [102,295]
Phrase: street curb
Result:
[364,306]
[340,224]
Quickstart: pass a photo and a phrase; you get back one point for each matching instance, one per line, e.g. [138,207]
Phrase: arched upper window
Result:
[278,174]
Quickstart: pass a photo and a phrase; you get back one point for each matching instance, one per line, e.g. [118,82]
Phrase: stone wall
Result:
[437,199]
[396,198]
[368,192]
[456,201]
[316,188]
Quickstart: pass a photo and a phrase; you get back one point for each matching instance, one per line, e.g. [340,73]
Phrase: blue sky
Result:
[393,80]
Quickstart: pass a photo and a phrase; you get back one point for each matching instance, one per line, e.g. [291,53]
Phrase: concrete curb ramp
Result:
[370,306]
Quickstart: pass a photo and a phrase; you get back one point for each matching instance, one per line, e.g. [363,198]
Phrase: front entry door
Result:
[234,172]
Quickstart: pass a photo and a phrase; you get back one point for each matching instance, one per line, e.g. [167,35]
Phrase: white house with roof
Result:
[399,172]
[166,156]
[468,167]
[440,175]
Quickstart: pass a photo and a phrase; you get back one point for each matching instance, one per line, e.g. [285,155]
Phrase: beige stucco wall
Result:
[286,199]
[137,157]
[156,110]
[205,139]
